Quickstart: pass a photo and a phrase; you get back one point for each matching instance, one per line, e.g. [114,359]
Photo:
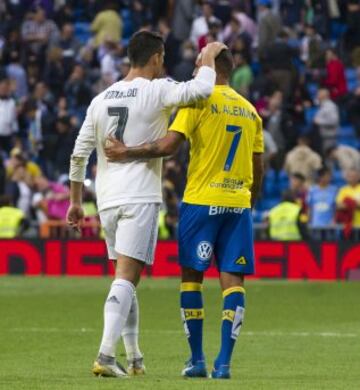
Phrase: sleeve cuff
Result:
[206,74]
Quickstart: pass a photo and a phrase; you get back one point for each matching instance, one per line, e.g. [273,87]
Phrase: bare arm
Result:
[116,151]
[75,214]
[258,173]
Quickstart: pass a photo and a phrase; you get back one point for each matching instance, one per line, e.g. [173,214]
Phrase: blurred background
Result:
[297,61]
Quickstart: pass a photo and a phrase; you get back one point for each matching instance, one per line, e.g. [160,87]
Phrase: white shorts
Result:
[131,230]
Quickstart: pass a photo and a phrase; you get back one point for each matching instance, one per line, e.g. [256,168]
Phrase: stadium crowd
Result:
[297,61]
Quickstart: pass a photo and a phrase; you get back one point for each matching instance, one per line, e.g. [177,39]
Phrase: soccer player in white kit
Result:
[134,110]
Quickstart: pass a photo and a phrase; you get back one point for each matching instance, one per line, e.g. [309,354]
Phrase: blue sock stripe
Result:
[193,311]
[232,302]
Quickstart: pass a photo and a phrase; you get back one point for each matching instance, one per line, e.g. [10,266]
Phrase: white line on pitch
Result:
[168,331]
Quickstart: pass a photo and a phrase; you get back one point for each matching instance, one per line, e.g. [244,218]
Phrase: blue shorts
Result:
[223,232]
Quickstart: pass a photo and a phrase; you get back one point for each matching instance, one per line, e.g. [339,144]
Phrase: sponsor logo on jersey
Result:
[204,250]
[228,184]
[241,261]
[215,210]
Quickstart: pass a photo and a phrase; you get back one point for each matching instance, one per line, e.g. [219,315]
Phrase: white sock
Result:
[116,311]
[130,331]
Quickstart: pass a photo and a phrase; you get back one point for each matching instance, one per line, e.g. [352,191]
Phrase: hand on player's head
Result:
[115,150]
[209,53]
[213,49]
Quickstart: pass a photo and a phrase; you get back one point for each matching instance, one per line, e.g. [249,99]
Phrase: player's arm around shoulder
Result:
[116,151]
[178,94]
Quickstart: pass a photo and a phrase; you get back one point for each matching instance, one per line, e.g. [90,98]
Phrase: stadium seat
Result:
[309,114]
[312,89]
[82,31]
[337,29]
[127,24]
[346,131]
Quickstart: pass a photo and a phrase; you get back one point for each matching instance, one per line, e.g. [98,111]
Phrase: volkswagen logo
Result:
[204,250]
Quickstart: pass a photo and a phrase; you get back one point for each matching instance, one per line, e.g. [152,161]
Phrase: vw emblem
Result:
[204,250]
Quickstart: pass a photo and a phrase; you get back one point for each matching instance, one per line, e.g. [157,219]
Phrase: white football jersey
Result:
[136,112]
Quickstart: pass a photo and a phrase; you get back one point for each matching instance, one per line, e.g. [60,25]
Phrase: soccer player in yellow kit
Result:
[224,178]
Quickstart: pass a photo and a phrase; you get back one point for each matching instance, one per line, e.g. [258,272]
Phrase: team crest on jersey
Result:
[204,250]
[241,261]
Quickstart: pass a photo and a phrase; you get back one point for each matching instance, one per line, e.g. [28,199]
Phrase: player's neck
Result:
[221,80]
[144,72]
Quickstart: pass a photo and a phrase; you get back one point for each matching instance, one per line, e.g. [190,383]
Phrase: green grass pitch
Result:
[296,335]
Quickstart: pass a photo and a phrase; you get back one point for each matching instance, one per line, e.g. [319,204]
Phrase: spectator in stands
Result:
[70,47]
[286,220]
[38,31]
[321,200]
[51,199]
[184,69]
[348,199]
[54,72]
[271,148]
[172,47]
[109,64]
[269,26]
[352,34]
[214,33]
[311,48]
[19,188]
[335,79]
[8,117]
[242,76]
[124,67]
[235,30]
[279,57]
[168,224]
[345,157]
[302,159]
[12,219]
[65,140]
[246,23]
[17,74]
[18,157]
[2,175]
[107,24]
[327,119]
[200,25]
[279,124]
[34,113]
[353,109]
[183,17]
[299,189]
[78,91]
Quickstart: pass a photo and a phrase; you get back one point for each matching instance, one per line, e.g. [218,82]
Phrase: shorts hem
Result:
[194,267]
[236,271]
[135,257]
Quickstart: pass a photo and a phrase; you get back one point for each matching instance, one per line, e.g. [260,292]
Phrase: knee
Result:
[191,275]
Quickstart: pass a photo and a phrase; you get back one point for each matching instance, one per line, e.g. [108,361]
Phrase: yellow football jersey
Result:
[224,131]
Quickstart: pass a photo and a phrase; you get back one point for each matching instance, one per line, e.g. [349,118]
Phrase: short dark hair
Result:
[288,196]
[323,171]
[299,176]
[142,46]
[329,150]
[224,63]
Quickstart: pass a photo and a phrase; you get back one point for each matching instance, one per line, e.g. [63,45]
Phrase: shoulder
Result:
[165,82]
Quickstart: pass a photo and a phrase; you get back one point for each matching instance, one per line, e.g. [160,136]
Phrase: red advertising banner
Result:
[295,260]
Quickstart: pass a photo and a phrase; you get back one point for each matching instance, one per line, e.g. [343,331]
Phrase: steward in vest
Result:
[286,222]
[12,219]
